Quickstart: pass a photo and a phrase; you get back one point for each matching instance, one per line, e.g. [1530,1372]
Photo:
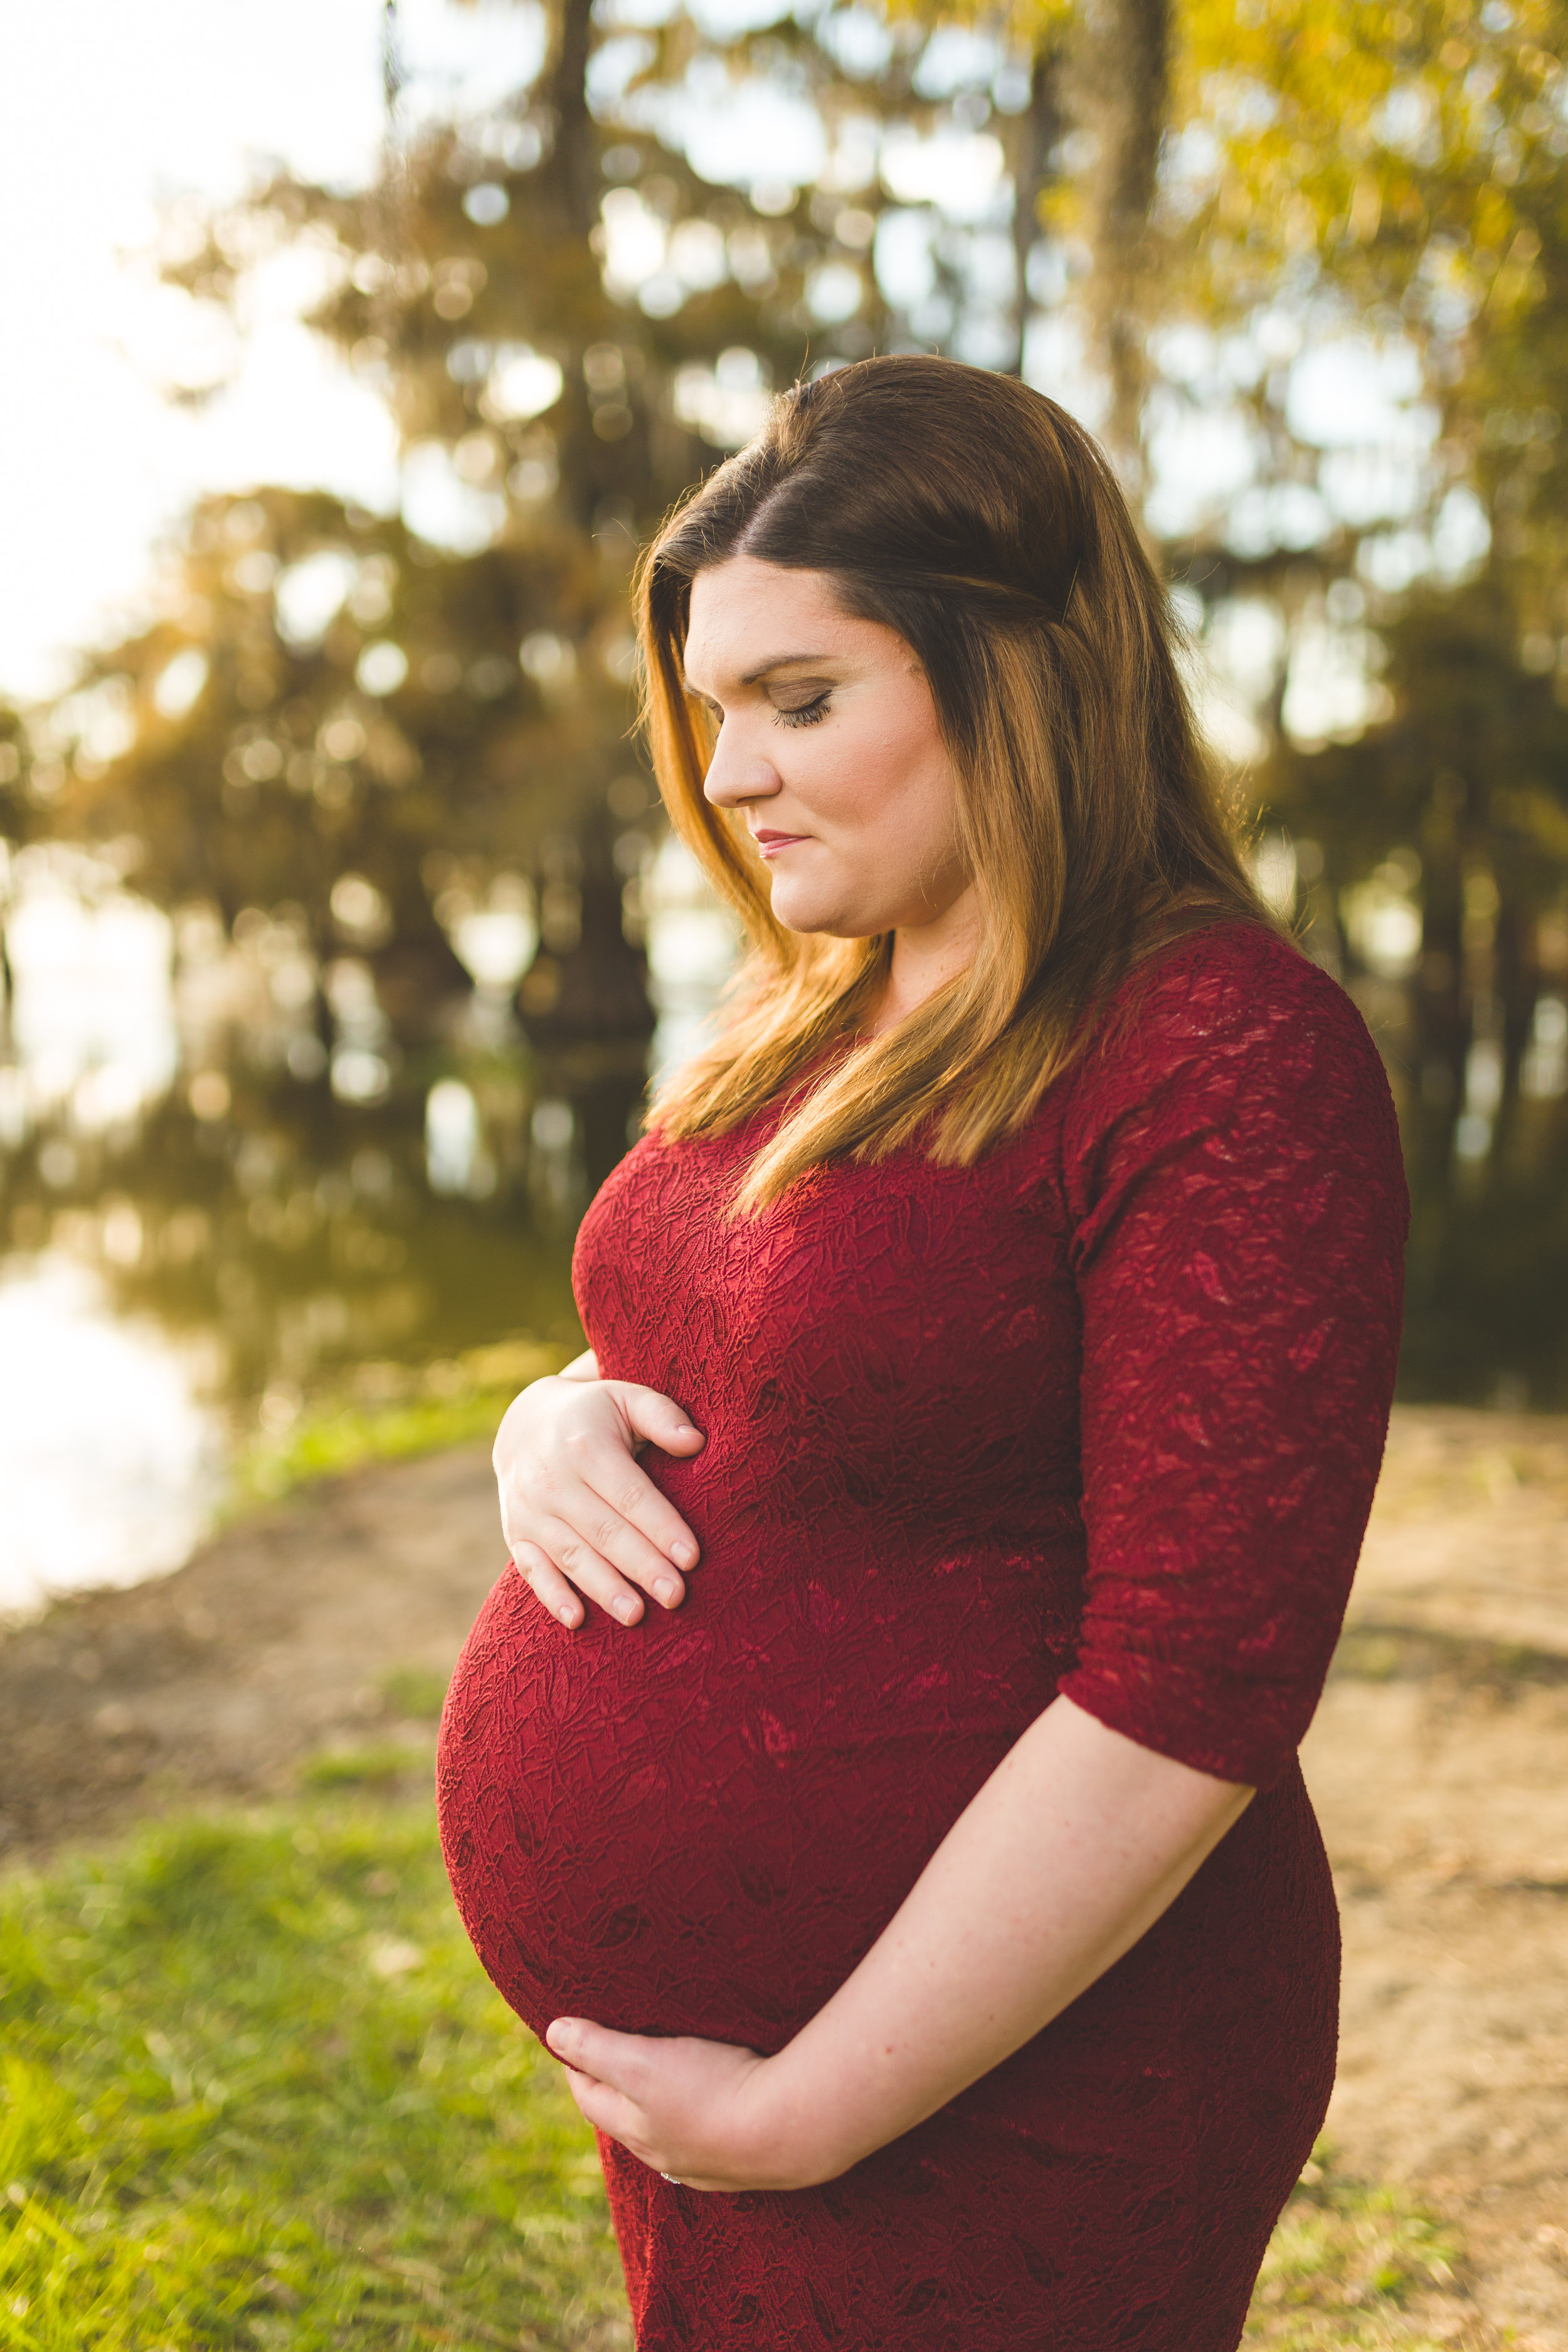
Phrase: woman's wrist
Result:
[794,2135]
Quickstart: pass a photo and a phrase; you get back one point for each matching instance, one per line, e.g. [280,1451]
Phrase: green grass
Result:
[1344,2261]
[417,1693]
[360,1767]
[392,1413]
[255,2092]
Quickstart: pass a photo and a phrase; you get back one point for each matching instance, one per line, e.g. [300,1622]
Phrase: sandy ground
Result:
[1438,1763]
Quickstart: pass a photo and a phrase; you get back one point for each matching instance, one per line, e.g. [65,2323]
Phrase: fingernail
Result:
[626,1608]
[666,1592]
[686,1429]
[683,1554]
[568,1616]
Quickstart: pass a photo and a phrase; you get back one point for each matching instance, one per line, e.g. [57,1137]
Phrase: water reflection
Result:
[91,1009]
[454,1158]
[110,1461]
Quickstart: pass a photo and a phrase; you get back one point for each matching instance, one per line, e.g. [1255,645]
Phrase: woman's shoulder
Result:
[1229,992]
[1231,1031]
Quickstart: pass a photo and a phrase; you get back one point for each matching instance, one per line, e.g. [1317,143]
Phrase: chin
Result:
[800,910]
[810,912]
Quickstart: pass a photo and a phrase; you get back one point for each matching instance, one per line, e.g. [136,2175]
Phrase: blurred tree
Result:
[1470,772]
[1389,181]
[376,722]
[1089,103]
[1395,172]
[324,720]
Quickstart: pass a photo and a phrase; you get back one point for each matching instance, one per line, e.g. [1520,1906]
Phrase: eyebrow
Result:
[754,676]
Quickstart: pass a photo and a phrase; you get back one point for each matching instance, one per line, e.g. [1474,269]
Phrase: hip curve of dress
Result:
[1101,1414]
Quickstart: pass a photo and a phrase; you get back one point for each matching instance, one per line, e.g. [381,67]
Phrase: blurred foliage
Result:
[281,775]
[457,702]
[1469,772]
[1391,180]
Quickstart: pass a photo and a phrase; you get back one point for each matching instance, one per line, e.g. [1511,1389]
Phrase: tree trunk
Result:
[1123,79]
[575,159]
[1515,981]
[1030,139]
[1443,1023]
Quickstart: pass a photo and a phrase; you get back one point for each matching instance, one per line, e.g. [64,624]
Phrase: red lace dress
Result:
[1101,1414]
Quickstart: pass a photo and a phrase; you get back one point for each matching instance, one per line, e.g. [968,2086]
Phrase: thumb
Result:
[656,1421]
[595,2050]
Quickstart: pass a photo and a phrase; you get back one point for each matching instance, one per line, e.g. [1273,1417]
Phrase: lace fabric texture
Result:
[1101,1414]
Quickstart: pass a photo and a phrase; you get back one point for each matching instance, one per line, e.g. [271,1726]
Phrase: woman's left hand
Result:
[695,2111]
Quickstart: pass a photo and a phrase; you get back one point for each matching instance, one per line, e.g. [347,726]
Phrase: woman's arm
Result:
[579,1517]
[1071,1851]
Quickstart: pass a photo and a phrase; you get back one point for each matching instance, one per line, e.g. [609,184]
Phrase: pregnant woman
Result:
[922,1892]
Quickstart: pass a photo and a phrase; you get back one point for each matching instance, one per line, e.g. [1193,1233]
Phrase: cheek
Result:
[891,778]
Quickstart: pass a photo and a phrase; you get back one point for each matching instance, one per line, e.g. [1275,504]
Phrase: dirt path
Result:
[1438,1762]
[281,1637]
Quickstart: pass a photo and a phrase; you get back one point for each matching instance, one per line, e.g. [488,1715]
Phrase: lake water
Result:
[197,1235]
[110,1460]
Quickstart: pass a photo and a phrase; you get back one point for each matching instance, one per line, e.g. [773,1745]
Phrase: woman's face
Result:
[828,741]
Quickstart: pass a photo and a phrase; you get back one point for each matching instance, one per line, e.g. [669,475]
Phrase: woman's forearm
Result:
[1071,1851]
[1073,1848]
[584,1367]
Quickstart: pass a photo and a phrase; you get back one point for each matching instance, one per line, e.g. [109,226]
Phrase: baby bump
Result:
[699,1824]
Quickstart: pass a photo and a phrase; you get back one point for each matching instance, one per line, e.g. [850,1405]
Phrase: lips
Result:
[770,844]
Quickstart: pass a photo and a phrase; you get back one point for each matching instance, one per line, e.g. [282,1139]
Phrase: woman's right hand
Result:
[583,1521]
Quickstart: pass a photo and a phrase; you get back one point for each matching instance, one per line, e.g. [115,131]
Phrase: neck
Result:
[926,956]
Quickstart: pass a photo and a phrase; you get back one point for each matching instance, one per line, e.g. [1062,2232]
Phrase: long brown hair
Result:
[976,519]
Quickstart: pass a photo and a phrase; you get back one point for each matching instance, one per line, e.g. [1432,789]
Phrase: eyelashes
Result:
[806,716]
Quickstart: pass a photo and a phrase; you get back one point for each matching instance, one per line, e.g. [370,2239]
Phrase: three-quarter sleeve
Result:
[1237,1204]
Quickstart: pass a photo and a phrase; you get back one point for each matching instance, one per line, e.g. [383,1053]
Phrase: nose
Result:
[736,775]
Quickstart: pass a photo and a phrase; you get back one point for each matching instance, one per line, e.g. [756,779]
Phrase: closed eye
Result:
[805,714]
